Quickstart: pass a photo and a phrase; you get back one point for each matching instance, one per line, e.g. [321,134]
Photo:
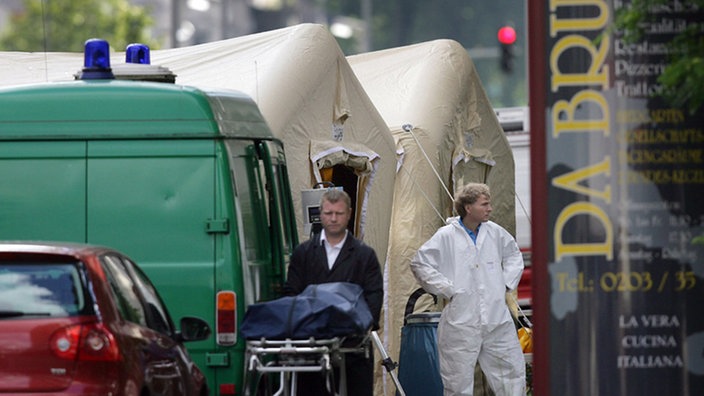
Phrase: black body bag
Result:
[324,310]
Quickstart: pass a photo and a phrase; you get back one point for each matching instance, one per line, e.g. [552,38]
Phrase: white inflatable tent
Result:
[308,95]
[18,68]
[314,103]
[432,99]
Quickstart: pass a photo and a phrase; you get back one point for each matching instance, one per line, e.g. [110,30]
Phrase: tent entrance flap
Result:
[350,166]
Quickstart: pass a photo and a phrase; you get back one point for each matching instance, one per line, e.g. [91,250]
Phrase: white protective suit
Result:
[476,324]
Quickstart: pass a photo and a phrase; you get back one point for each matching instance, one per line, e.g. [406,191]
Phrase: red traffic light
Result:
[507,35]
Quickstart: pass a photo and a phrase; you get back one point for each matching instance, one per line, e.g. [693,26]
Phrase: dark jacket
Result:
[357,263]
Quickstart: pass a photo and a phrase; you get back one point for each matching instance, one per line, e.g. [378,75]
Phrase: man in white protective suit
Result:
[472,262]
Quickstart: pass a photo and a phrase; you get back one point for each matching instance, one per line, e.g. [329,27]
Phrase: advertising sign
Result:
[624,207]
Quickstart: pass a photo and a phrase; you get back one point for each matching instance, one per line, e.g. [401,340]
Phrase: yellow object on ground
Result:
[525,337]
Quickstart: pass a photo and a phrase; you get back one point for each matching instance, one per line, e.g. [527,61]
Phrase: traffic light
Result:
[507,39]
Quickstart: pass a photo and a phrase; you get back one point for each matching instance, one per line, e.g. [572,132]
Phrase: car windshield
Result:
[30,290]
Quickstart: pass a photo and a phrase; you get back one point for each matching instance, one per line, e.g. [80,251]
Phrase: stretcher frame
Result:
[289,357]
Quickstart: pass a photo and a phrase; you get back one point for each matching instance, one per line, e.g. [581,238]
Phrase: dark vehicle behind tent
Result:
[189,182]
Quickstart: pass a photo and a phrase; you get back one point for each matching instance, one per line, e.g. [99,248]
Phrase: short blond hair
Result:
[334,195]
[468,194]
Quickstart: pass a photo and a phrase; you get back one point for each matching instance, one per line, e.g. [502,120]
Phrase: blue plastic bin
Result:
[419,368]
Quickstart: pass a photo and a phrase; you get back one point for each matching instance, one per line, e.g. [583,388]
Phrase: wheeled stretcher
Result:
[311,332]
[285,359]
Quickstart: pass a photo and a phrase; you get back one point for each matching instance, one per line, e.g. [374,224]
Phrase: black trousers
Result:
[360,378]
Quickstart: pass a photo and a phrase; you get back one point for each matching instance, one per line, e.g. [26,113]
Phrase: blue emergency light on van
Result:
[137,53]
[96,62]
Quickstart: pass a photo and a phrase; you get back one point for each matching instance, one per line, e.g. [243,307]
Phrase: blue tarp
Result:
[321,311]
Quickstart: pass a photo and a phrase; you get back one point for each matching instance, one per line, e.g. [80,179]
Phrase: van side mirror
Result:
[193,329]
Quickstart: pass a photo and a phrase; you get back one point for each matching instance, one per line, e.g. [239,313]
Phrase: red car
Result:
[80,319]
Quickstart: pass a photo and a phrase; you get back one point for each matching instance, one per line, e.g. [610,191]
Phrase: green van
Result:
[189,182]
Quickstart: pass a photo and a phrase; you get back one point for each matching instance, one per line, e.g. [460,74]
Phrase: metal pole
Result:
[225,10]
[175,21]
[389,364]
[367,18]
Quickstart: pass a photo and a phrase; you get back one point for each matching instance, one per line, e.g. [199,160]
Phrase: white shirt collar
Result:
[323,237]
[332,251]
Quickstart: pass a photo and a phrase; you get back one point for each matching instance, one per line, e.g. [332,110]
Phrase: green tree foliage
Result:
[65,25]
[683,78]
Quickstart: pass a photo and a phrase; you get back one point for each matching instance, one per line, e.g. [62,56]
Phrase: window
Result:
[40,289]
[252,217]
[158,318]
[123,289]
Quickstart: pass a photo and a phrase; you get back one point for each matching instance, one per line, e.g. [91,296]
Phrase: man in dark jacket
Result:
[335,255]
